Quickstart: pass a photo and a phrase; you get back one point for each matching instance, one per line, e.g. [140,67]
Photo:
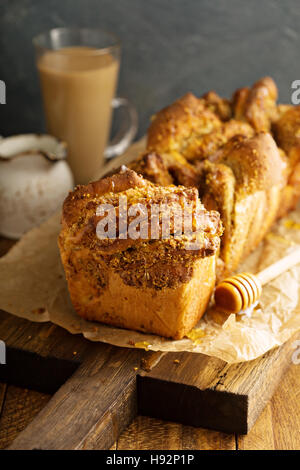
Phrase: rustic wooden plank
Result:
[147,433]
[3,387]
[48,341]
[40,356]
[44,339]
[228,397]
[261,435]
[5,245]
[258,379]
[99,399]
[278,427]
[185,392]
[286,411]
[20,408]
[206,439]
[142,433]
[85,412]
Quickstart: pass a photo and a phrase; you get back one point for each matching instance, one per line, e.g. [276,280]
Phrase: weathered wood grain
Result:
[148,433]
[207,392]
[278,427]
[91,408]
[261,436]
[3,387]
[19,409]
[98,399]
[272,430]
[198,390]
[285,408]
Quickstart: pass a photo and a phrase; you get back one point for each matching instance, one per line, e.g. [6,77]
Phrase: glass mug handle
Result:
[127,131]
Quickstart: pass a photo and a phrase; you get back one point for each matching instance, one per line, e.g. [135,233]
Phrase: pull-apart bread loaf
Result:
[237,165]
[257,105]
[287,135]
[158,283]
[225,149]
[244,182]
[189,128]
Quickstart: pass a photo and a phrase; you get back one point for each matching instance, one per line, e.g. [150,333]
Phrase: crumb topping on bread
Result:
[144,261]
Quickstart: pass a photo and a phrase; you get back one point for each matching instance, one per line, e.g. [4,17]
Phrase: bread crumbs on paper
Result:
[142,345]
[291,224]
[195,335]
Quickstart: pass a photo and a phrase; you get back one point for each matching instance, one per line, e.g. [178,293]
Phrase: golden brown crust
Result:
[152,167]
[80,217]
[181,171]
[255,162]
[172,127]
[220,106]
[281,109]
[256,105]
[200,148]
[218,193]
[100,272]
[244,183]
[119,182]
[192,128]
[286,131]
[166,169]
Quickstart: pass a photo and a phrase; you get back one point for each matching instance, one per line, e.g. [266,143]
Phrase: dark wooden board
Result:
[205,391]
[98,397]
[98,389]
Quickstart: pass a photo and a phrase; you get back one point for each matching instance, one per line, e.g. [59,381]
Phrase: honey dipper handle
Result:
[279,267]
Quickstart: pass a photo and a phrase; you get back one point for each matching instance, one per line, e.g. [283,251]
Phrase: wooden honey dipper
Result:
[239,292]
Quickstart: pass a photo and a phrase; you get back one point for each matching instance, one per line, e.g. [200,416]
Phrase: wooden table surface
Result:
[278,427]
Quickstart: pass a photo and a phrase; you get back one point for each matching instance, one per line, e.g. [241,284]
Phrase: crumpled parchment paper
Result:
[33,286]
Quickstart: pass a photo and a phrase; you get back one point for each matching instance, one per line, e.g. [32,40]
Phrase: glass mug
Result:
[78,71]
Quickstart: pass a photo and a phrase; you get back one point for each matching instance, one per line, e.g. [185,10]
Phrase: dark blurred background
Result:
[169,47]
